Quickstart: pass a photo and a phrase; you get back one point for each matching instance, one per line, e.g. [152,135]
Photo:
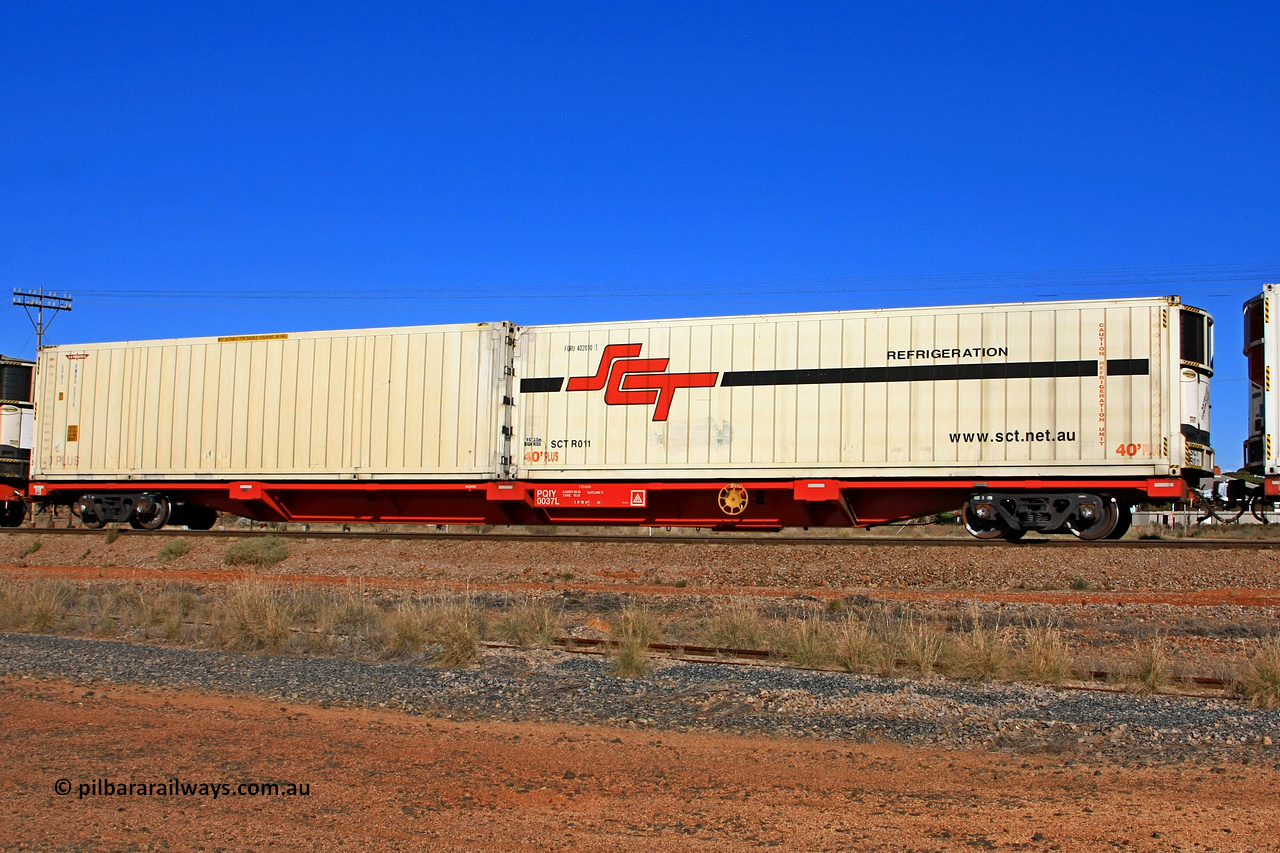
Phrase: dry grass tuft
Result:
[1152,531]
[1262,680]
[407,629]
[737,626]
[120,610]
[528,623]
[807,643]
[262,552]
[633,631]
[923,647]
[981,653]
[1045,659]
[10,606]
[254,617]
[899,642]
[343,619]
[1152,672]
[45,604]
[166,610]
[38,606]
[348,611]
[455,626]
[854,647]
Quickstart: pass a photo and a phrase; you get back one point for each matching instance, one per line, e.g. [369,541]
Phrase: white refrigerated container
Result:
[1262,349]
[1052,389]
[424,402]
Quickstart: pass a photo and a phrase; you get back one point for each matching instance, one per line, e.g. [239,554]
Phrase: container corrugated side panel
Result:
[1271,378]
[407,403]
[778,422]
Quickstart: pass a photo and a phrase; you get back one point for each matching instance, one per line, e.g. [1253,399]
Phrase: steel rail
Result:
[720,539]
[1098,680]
[741,657]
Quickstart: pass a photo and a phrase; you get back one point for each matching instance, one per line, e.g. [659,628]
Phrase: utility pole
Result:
[41,301]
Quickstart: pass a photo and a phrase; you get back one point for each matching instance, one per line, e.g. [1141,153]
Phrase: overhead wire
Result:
[1152,279]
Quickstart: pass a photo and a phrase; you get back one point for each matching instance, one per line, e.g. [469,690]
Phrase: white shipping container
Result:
[1088,388]
[423,402]
[17,424]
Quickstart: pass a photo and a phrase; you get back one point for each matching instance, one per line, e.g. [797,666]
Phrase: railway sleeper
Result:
[994,515]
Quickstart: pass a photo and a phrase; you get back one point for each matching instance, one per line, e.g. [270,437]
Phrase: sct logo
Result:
[631,381]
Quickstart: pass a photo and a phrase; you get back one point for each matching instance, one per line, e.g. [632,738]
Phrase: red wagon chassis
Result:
[766,504]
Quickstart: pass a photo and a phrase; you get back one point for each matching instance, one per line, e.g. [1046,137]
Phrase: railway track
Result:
[1066,542]
[1094,679]
[1101,680]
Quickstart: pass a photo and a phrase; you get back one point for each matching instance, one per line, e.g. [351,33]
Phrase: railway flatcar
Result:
[1051,416]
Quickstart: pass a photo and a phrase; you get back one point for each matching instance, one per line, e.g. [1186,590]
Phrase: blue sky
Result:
[236,168]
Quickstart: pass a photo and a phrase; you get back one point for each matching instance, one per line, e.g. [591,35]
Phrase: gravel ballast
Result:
[692,696]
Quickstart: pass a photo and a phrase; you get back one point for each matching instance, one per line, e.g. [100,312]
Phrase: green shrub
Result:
[173,549]
[259,551]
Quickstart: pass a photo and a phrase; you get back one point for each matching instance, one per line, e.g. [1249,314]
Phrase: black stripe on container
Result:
[1128,367]
[914,373]
[537,386]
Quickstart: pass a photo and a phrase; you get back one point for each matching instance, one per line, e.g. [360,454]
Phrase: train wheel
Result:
[14,513]
[81,510]
[1106,522]
[980,528]
[1258,506]
[199,517]
[151,517]
[1123,524]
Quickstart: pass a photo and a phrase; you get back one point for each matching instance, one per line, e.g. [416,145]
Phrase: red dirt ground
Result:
[1189,598]
[384,780]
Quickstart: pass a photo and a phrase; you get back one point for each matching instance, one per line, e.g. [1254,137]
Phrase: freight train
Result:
[1055,417]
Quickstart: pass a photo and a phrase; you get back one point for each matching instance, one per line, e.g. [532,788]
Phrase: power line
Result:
[1158,278]
[41,301]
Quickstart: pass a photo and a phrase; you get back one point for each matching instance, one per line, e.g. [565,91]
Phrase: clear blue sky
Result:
[235,168]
